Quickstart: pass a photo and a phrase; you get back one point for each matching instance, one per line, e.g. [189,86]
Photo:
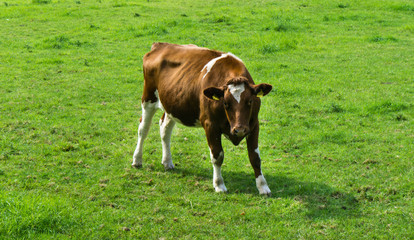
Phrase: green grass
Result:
[336,138]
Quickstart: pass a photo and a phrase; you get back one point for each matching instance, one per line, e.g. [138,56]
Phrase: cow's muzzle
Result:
[240,131]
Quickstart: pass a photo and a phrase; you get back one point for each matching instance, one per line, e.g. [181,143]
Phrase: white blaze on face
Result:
[236,91]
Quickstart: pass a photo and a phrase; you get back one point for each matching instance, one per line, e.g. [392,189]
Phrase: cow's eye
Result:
[250,102]
[226,105]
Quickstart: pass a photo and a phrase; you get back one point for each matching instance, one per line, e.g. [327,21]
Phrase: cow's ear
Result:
[214,93]
[262,89]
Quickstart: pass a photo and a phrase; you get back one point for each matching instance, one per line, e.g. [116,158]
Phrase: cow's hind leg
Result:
[166,127]
[148,110]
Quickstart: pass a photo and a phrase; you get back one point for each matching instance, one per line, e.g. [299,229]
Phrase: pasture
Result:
[336,139]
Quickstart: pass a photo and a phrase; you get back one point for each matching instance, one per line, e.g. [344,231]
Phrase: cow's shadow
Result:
[320,199]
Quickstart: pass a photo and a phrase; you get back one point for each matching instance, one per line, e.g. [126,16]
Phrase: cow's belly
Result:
[180,97]
[194,123]
[188,115]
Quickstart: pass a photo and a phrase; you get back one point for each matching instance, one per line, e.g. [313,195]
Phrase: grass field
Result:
[337,132]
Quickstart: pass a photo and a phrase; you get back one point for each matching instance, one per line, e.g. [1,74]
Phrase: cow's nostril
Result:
[239,131]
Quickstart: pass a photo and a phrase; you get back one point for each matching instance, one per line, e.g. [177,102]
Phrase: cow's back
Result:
[170,60]
[174,72]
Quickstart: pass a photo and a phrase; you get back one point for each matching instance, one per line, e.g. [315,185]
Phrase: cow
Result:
[199,87]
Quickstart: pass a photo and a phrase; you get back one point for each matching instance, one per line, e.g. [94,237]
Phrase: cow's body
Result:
[201,87]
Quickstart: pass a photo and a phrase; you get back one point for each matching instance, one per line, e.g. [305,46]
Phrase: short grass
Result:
[336,139]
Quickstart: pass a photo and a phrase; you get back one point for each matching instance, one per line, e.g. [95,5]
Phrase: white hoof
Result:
[136,165]
[168,165]
[265,191]
[262,186]
[220,188]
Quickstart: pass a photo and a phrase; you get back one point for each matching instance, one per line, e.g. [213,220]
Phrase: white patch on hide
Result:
[158,102]
[213,61]
[257,151]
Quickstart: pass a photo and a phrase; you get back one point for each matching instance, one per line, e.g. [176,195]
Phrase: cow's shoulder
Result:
[189,57]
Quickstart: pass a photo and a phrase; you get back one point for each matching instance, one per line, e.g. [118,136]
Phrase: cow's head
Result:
[238,98]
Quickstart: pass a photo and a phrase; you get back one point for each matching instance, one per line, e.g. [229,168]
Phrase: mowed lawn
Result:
[337,132]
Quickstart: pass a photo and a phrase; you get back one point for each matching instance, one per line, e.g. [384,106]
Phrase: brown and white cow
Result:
[200,87]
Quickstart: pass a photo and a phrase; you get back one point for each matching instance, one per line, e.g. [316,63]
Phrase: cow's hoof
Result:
[265,191]
[168,166]
[136,165]
[268,194]
[220,189]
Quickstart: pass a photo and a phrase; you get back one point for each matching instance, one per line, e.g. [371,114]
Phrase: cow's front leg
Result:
[217,157]
[255,161]
[217,160]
